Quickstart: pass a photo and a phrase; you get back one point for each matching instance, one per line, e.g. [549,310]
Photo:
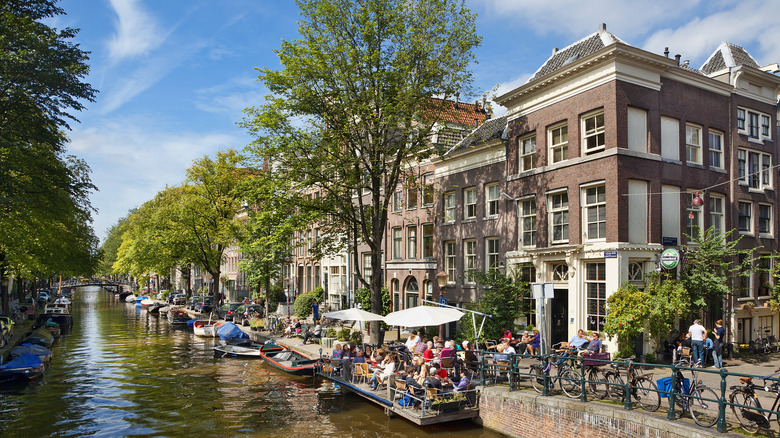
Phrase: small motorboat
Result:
[39,336]
[178,316]
[53,327]
[63,300]
[24,368]
[247,349]
[147,302]
[206,328]
[155,308]
[38,350]
[288,360]
[60,317]
[130,298]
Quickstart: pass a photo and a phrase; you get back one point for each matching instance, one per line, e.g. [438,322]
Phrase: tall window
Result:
[596,286]
[449,207]
[308,278]
[693,144]
[754,124]
[491,200]
[395,285]
[397,243]
[398,199]
[412,293]
[316,275]
[528,222]
[559,143]
[449,261]
[754,169]
[427,241]
[695,222]
[491,253]
[411,242]
[745,217]
[593,132]
[716,150]
[470,203]
[595,207]
[764,269]
[469,258]
[765,219]
[528,152]
[559,217]
[411,198]
[743,285]
[717,214]
[427,189]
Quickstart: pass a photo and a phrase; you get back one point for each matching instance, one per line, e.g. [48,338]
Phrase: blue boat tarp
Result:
[230,330]
[191,323]
[35,349]
[26,360]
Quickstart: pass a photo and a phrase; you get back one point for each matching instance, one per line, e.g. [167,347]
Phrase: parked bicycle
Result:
[697,399]
[764,343]
[568,379]
[748,414]
[643,389]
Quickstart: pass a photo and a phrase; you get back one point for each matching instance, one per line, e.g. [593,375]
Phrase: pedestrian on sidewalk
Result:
[719,337]
[698,335]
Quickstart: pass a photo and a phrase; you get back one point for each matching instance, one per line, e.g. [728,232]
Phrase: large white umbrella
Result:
[423,316]
[353,315]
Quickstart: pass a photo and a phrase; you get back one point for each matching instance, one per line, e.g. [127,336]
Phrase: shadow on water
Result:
[123,372]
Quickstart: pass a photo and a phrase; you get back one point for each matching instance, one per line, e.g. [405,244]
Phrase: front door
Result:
[559,331]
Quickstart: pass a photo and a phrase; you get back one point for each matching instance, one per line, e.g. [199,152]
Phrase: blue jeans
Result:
[717,357]
[698,352]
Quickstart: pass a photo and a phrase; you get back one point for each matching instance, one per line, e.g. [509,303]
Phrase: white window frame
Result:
[767,220]
[526,147]
[470,203]
[449,261]
[411,198]
[693,142]
[757,126]
[427,189]
[696,212]
[559,208]
[398,200]
[754,169]
[593,132]
[491,253]
[527,210]
[717,213]
[597,204]
[449,208]
[411,242]
[397,243]
[596,293]
[745,207]
[491,200]
[562,147]
[716,153]
[469,259]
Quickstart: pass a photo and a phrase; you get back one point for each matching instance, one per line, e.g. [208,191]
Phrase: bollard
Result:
[722,427]
[672,398]
[627,387]
[583,396]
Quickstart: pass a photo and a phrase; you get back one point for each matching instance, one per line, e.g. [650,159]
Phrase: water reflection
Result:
[124,372]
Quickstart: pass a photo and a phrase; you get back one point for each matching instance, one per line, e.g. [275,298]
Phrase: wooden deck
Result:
[383,398]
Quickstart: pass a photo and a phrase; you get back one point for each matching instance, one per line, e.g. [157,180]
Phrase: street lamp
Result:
[441,278]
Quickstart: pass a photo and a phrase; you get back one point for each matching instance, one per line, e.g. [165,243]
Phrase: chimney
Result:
[677,58]
[555,50]
[686,63]
[603,27]
[666,52]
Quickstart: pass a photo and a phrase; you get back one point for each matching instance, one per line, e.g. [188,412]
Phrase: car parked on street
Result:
[227,311]
[204,305]
[179,299]
[246,311]
[193,301]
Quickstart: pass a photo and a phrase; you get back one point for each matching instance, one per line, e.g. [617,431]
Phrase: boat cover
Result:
[230,330]
[191,323]
[38,350]
[26,360]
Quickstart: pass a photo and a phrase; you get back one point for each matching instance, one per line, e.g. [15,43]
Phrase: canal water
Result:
[123,372]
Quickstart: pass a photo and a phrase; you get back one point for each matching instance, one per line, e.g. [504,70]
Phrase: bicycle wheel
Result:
[537,378]
[748,418]
[615,389]
[704,411]
[571,383]
[596,385]
[647,395]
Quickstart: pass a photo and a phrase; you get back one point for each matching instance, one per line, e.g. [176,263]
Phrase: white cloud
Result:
[136,34]
[231,97]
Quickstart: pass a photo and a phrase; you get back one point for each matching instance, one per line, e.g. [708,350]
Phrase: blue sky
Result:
[175,75]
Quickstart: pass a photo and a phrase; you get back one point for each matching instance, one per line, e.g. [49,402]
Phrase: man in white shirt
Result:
[412,341]
[698,335]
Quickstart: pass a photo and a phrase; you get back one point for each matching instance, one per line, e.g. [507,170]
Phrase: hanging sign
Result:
[670,258]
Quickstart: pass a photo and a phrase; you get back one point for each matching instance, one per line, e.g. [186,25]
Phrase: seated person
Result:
[708,347]
[595,345]
[428,354]
[577,343]
[359,358]
[463,383]
[684,341]
[447,351]
[337,353]
[433,380]
[500,356]
[383,372]
[471,358]
[506,334]
[536,341]
[415,382]
[522,343]
[508,349]
[317,333]
[420,347]
[412,341]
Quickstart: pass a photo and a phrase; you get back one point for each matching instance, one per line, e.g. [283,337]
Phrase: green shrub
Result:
[330,333]
[344,334]
[650,358]
[304,301]
[356,337]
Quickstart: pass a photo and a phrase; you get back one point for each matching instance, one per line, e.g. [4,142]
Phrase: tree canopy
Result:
[351,108]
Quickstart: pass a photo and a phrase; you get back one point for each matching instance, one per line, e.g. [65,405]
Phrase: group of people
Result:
[701,342]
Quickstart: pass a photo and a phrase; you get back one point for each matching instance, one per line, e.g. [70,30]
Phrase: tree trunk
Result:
[4,285]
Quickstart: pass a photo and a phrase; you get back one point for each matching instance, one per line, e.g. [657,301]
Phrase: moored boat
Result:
[178,316]
[248,349]
[130,298]
[42,352]
[206,328]
[24,368]
[288,360]
[39,336]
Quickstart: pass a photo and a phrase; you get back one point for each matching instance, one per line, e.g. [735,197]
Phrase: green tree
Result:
[110,246]
[351,107]
[503,296]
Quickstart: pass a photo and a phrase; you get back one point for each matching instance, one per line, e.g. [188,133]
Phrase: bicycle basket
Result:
[665,385]
[594,363]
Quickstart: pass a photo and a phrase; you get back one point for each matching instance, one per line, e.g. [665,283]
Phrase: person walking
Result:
[717,351]
[698,335]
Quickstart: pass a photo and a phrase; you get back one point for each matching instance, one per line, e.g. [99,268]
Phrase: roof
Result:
[727,55]
[580,49]
[462,113]
[490,130]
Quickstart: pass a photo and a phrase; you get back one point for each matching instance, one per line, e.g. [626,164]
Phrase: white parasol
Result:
[353,314]
[423,316]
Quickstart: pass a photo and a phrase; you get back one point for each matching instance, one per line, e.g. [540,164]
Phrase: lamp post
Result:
[441,278]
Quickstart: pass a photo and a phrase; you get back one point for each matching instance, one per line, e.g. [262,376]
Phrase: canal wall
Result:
[527,414]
